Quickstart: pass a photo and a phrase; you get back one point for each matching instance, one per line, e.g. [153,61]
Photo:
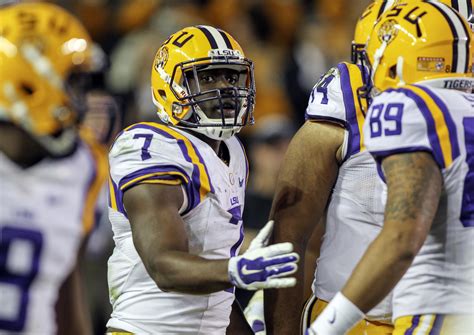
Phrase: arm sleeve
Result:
[143,156]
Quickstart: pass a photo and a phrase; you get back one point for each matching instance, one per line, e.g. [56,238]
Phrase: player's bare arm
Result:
[304,184]
[160,238]
[414,184]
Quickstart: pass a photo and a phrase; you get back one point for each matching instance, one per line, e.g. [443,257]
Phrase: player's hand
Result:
[263,236]
[254,313]
[262,268]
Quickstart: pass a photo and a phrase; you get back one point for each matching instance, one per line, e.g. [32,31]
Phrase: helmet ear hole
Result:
[392,72]
[162,94]
[26,88]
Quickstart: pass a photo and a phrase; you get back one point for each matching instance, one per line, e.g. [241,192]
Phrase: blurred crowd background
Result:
[292,42]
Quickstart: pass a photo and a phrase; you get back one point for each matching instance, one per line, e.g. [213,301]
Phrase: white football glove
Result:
[261,267]
[254,313]
[263,236]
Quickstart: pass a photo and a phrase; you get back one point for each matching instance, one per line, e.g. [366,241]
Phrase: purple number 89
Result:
[392,114]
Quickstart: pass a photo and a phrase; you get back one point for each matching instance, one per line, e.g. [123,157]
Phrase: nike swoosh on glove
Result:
[263,267]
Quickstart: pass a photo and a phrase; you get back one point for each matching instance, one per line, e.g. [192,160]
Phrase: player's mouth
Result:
[228,109]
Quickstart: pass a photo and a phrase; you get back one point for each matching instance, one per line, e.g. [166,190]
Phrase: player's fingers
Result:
[281,259]
[282,271]
[277,249]
[280,282]
[261,240]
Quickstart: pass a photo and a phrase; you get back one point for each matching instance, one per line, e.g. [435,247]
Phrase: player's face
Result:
[224,80]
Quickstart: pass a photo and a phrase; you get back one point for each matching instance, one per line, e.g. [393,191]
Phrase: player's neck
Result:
[214,144]
[19,147]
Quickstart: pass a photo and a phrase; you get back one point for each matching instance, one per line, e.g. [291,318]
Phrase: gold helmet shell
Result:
[419,41]
[41,46]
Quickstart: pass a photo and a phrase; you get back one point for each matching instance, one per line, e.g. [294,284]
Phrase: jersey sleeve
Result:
[409,119]
[144,154]
[334,99]
[326,100]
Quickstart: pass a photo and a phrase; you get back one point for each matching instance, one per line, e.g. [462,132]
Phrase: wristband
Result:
[338,317]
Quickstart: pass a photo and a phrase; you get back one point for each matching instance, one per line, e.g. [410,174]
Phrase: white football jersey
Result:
[355,211]
[441,122]
[45,212]
[212,212]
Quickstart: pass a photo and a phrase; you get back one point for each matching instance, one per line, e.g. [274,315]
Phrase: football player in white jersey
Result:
[420,131]
[50,176]
[328,173]
[177,196]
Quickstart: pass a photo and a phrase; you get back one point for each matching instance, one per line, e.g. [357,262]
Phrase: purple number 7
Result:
[145,154]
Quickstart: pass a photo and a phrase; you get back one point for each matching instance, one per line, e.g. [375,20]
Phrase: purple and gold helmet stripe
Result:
[464,7]
[461,37]
[226,39]
[217,38]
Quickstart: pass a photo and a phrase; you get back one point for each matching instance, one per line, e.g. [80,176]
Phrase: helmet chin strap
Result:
[400,70]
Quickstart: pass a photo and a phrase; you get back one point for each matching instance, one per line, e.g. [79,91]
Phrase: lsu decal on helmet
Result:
[43,49]
[420,41]
[364,26]
[177,83]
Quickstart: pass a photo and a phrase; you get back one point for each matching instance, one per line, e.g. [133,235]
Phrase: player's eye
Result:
[206,79]
[232,78]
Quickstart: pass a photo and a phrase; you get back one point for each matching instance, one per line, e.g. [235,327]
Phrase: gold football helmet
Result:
[365,24]
[43,49]
[178,90]
[419,41]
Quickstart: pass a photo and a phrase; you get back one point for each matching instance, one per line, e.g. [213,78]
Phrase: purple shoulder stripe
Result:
[432,135]
[453,136]
[349,106]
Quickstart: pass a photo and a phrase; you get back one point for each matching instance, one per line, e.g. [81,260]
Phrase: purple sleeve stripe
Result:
[116,197]
[378,155]
[380,171]
[350,107]
[163,172]
[453,136]
[432,135]
[157,171]
[329,119]
[198,188]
